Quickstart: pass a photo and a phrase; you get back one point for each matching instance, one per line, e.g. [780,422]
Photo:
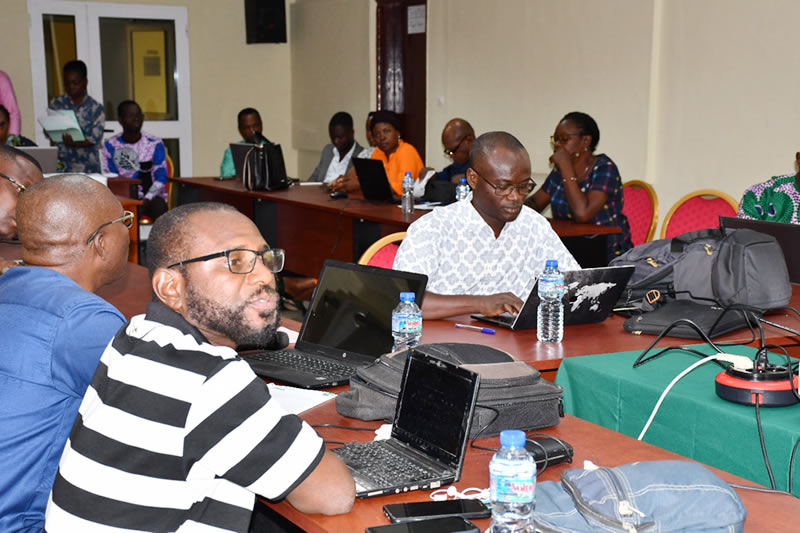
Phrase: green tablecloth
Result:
[692,421]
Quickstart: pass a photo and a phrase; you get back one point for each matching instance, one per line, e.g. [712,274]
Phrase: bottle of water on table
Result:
[550,315]
[512,485]
[407,201]
[462,189]
[406,323]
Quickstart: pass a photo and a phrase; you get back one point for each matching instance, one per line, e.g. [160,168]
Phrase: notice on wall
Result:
[416,19]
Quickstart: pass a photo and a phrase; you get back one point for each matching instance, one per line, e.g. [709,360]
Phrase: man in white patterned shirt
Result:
[483,254]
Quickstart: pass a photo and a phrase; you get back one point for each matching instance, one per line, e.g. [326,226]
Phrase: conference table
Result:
[312,227]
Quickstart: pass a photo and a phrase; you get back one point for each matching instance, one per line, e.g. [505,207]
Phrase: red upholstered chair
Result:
[381,253]
[698,210]
[641,210]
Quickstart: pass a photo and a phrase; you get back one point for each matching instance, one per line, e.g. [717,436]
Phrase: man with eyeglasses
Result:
[74,240]
[457,138]
[176,432]
[483,256]
[18,170]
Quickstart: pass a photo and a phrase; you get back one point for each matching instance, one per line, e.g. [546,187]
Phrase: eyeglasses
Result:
[20,187]
[126,218]
[449,153]
[242,260]
[523,189]
[563,138]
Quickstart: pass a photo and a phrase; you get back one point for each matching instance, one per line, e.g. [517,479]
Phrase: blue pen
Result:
[490,331]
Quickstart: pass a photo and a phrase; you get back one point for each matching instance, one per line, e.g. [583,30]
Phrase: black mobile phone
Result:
[447,524]
[405,512]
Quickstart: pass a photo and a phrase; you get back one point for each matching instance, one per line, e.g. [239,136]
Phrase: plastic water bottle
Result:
[408,194]
[462,189]
[512,485]
[406,323]
[550,316]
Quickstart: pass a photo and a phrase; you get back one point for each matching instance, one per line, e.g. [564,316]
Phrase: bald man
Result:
[457,138]
[483,255]
[18,171]
[54,330]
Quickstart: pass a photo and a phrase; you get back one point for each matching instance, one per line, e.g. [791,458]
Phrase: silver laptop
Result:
[429,436]
[787,235]
[348,325]
[47,156]
[589,296]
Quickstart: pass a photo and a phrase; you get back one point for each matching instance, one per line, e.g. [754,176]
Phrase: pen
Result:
[490,331]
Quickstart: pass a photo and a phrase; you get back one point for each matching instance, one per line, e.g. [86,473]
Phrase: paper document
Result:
[57,122]
[419,185]
[295,401]
[304,183]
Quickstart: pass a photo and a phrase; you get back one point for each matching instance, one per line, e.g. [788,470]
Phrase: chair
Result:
[641,209]
[381,253]
[698,210]
[172,193]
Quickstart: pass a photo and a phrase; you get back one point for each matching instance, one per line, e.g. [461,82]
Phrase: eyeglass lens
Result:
[244,261]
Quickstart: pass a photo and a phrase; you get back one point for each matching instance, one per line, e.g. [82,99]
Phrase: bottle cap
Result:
[512,438]
[407,296]
[463,180]
[551,263]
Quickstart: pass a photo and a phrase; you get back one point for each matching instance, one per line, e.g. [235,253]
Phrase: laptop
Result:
[244,161]
[590,295]
[787,235]
[374,182]
[47,156]
[429,435]
[348,325]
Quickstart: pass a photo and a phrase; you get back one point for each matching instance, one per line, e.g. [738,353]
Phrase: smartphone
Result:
[406,512]
[447,524]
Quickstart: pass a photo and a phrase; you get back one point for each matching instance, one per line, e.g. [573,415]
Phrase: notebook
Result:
[348,325]
[589,296]
[374,182]
[429,436]
[787,235]
[47,156]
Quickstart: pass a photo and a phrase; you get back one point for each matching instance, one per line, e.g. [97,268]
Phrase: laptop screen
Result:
[351,311]
[435,408]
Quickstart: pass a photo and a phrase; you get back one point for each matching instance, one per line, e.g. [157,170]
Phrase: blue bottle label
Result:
[513,489]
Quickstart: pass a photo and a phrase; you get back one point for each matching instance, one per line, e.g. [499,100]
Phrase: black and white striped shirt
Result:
[175,434]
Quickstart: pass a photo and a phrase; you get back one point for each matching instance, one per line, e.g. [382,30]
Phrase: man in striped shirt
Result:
[175,432]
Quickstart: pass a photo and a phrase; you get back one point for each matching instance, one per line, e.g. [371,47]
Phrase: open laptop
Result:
[589,296]
[787,235]
[373,180]
[429,435]
[47,156]
[244,161]
[348,325]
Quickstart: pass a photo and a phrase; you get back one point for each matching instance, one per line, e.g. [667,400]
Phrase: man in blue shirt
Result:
[54,330]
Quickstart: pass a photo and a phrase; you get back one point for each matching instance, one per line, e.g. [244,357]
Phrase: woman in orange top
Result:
[398,157]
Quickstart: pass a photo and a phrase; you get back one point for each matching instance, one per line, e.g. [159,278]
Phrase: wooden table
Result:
[322,228]
[765,512]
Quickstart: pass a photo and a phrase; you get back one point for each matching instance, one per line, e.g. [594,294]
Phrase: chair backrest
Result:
[640,207]
[170,166]
[381,252]
[698,210]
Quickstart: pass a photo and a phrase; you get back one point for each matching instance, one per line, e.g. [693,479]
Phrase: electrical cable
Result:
[760,489]
[485,426]
[639,361]
[791,466]
[763,444]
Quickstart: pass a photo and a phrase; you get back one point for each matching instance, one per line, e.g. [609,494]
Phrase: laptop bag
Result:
[711,319]
[512,394]
[662,496]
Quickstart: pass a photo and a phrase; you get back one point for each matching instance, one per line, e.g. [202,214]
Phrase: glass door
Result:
[132,52]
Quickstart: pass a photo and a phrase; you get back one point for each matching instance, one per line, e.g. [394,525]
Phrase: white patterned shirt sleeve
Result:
[459,253]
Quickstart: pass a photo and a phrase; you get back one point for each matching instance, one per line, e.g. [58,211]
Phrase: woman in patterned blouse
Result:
[583,186]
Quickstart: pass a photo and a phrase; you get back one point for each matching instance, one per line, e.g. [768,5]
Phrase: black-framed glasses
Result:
[523,189]
[242,260]
[563,138]
[449,153]
[20,187]
[126,218]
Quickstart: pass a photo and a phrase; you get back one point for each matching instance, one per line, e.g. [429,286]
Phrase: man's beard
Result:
[231,321]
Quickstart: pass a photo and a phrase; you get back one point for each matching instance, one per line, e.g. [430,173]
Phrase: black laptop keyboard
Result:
[384,466]
[306,363]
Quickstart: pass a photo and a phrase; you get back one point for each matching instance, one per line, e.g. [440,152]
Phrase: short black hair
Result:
[586,124]
[247,111]
[4,112]
[170,235]
[9,153]
[77,66]
[125,103]
[383,115]
[342,118]
[491,140]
